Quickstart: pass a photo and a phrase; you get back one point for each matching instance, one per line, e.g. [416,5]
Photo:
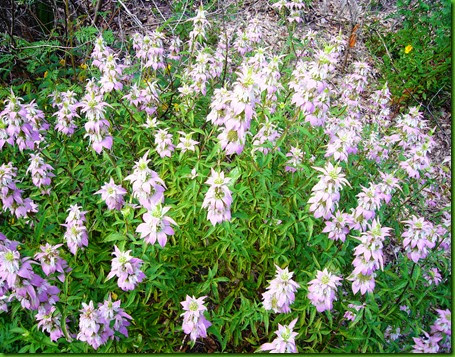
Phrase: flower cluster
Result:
[150,49]
[443,323]
[127,269]
[326,193]
[51,261]
[67,105]
[295,161]
[94,324]
[280,293]
[146,99]
[218,198]
[418,238]
[309,83]
[97,126]
[156,226]
[338,227]
[163,141]
[194,322]
[41,172]
[368,258]
[349,314]
[285,341]
[293,7]
[186,142]
[148,187]
[267,134]
[11,195]
[18,279]
[439,337]
[112,194]
[76,234]
[21,125]
[49,320]
[427,344]
[322,290]
[200,23]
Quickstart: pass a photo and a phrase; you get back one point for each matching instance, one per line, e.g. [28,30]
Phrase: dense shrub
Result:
[420,52]
[176,195]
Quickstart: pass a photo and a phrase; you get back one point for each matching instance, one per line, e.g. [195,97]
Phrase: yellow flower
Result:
[114,296]
[408,49]
[45,74]
[83,66]
[176,107]
[62,62]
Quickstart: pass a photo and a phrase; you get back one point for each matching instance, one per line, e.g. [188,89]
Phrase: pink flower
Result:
[93,328]
[156,226]
[127,269]
[322,290]
[349,315]
[296,157]
[280,293]
[337,228]
[363,282]
[186,143]
[50,321]
[148,187]
[40,171]
[418,238]
[433,276]
[200,23]
[285,341]
[76,234]
[326,192]
[67,112]
[97,126]
[387,186]
[370,200]
[194,322]
[392,336]
[369,255]
[112,194]
[267,134]
[443,323]
[149,49]
[426,345]
[163,141]
[111,311]
[174,49]
[51,261]
[218,198]
[232,141]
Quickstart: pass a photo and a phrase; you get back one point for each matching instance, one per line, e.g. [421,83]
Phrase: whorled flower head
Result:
[156,226]
[194,322]
[218,198]
[427,344]
[112,194]
[76,233]
[280,293]
[51,261]
[127,269]
[322,290]
[285,340]
[148,187]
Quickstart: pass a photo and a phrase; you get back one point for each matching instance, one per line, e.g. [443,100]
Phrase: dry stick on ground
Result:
[159,11]
[134,17]
[412,95]
[180,19]
[97,9]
